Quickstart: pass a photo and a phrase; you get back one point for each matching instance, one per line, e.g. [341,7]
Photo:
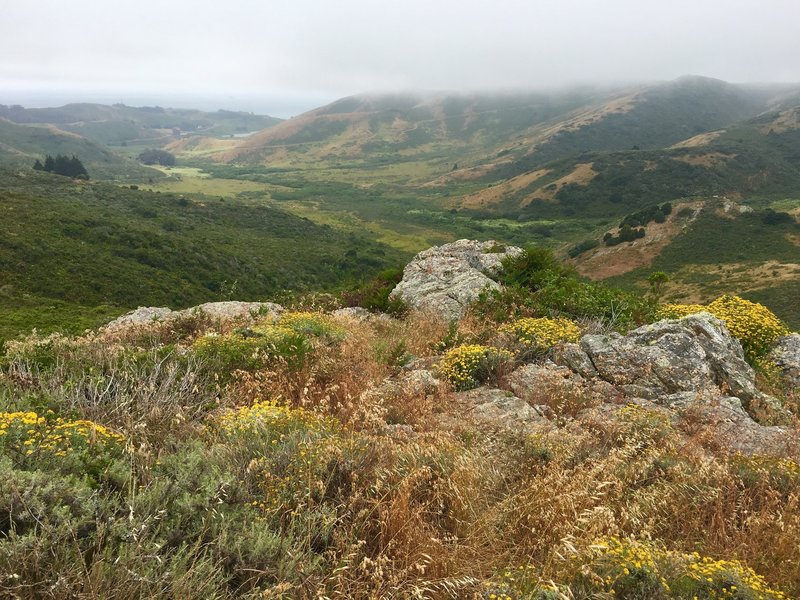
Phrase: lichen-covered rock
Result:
[355,313]
[446,279]
[558,385]
[786,354]
[141,316]
[361,315]
[216,310]
[713,419]
[691,354]
[500,407]
[233,309]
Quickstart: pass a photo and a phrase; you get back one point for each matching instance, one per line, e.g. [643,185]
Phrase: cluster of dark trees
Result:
[154,156]
[63,165]
[643,217]
[626,234]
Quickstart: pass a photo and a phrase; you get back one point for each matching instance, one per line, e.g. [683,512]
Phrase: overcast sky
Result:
[284,56]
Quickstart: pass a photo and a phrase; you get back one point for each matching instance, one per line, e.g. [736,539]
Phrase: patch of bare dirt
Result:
[581,175]
[786,120]
[496,193]
[608,261]
[702,139]
[709,159]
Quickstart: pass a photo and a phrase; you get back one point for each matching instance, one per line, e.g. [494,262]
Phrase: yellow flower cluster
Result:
[753,324]
[505,585]
[544,333]
[620,563]
[465,366]
[34,433]
[270,414]
[19,419]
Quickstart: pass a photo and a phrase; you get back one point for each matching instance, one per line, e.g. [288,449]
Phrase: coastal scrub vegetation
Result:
[263,459]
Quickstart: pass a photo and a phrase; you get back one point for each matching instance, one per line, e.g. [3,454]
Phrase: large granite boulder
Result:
[691,354]
[446,279]
[786,354]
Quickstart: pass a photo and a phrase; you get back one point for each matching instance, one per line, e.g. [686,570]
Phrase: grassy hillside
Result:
[751,254]
[119,124]
[93,244]
[21,145]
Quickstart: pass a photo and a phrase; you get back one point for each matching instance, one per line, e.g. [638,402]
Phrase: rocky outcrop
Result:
[499,407]
[692,354]
[446,279]
[553,384]
[786,354]
[222,311]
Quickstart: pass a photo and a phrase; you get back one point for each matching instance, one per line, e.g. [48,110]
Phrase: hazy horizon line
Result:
[288,104]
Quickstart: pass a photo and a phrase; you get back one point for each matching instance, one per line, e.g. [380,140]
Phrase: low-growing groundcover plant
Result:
[178,461]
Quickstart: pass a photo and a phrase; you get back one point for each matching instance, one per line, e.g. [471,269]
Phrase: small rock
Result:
[141,316]
[355,313]
[786,354]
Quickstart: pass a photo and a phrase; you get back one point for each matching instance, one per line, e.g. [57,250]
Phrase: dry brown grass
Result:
[431,509]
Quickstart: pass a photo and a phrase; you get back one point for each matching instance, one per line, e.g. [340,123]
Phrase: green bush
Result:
[374,294]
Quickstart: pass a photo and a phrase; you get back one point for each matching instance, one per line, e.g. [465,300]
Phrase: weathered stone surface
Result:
[786,354]
[716,421]
[500,407]
[234,309]
[446,279]
[723,421]
[141,316]
[557,385]
[356,313]
[216,310]
[690,354]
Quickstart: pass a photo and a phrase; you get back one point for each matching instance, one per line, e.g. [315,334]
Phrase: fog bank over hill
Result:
[283,50]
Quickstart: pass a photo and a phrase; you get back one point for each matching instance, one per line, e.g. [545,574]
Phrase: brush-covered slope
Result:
[503,135]
[92,244]
[21,145]
[119,123]
[708,248]
[311,454]
[407,126]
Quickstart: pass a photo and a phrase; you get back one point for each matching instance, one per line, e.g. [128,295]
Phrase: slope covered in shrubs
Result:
[305,456]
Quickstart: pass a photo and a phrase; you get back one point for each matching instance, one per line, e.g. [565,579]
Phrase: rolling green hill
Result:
[502,135]
[79,245]
[118,124]
[21,145]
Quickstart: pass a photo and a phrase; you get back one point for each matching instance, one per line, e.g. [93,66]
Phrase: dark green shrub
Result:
[374,294]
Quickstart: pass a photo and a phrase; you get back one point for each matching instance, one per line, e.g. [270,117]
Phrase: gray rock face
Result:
[716,420]
[548,383]
[446,279]
[786,354]
[684,355]
[140,316]
[216,310]
[500,407]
